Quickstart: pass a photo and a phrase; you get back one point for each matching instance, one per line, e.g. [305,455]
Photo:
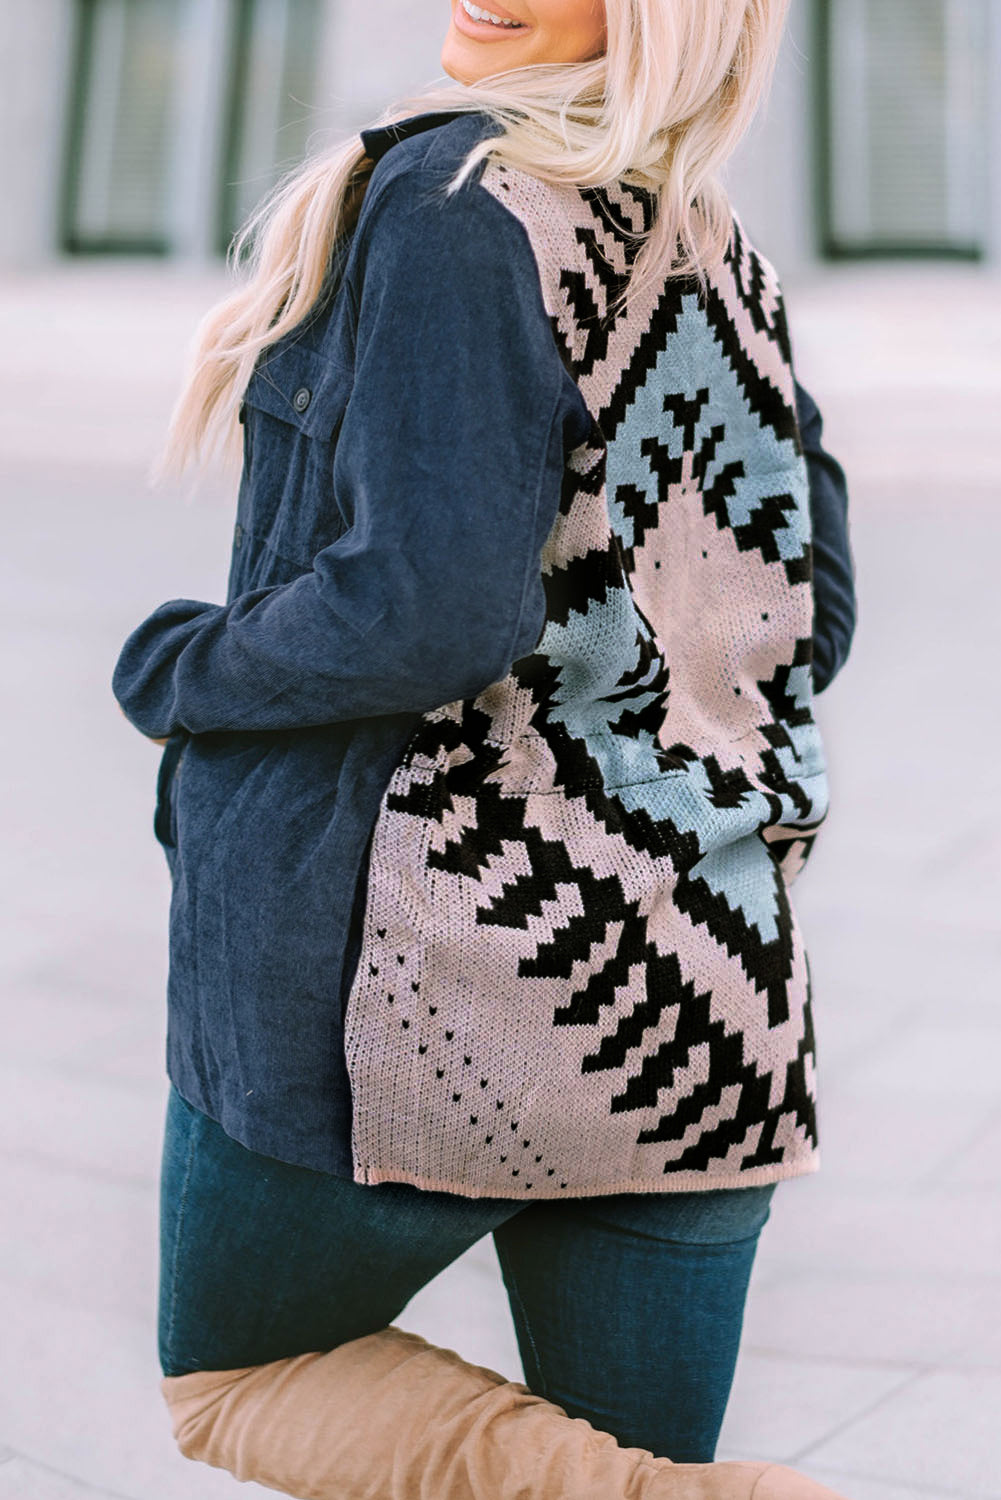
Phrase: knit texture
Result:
[580,969]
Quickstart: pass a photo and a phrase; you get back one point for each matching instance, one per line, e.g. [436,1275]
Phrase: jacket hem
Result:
[332,1158]
[674,1182]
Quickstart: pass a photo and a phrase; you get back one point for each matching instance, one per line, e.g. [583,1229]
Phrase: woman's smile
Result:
[486,39]
[486,25]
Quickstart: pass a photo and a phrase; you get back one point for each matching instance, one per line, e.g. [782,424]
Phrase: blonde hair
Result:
[663,108]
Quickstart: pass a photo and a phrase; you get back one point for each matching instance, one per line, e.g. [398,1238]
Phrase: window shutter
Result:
[906,125]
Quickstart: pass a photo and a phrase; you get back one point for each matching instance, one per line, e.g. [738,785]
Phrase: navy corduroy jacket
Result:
[404,449]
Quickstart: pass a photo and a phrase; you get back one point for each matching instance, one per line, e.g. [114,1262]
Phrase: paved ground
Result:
[872,1354]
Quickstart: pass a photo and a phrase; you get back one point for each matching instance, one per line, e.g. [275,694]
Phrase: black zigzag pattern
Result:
[749,280]
[589,317]
[764,398]
[500,820]
[759,534]
[537,890]
[768,964]
[649,349]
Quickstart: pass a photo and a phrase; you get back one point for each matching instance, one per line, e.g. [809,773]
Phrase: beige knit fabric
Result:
[580,971]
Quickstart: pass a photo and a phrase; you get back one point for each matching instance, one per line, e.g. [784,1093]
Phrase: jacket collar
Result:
[379,139]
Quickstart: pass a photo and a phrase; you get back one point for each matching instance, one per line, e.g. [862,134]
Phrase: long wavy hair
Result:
[663,107]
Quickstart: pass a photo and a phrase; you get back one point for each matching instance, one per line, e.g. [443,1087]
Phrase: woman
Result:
[482,793]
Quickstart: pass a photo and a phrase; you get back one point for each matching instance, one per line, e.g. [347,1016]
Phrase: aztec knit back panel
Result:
[580,969]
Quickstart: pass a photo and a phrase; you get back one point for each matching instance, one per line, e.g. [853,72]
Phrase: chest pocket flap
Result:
[301,387]
[287,511]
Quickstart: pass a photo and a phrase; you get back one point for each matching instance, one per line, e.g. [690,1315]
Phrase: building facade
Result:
[154,126]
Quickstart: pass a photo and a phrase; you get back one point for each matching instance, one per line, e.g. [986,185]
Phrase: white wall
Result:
[375,51]
[35,43]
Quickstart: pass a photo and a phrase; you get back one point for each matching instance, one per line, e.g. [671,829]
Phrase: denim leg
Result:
[628,1309]
[260,1260]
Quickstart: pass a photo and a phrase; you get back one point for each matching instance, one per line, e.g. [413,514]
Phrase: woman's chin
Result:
[452,65]
[461,61]
[468,58]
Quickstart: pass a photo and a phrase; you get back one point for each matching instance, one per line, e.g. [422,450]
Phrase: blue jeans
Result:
[627,1307]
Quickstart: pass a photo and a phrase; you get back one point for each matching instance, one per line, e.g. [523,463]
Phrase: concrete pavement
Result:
[872,1349]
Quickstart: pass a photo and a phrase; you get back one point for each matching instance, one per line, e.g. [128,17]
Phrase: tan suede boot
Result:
[392,1417]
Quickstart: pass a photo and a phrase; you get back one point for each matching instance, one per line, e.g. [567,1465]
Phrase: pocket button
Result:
[302,398]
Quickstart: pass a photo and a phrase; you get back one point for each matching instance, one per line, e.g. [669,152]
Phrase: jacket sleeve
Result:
[448,466]
[833,563]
